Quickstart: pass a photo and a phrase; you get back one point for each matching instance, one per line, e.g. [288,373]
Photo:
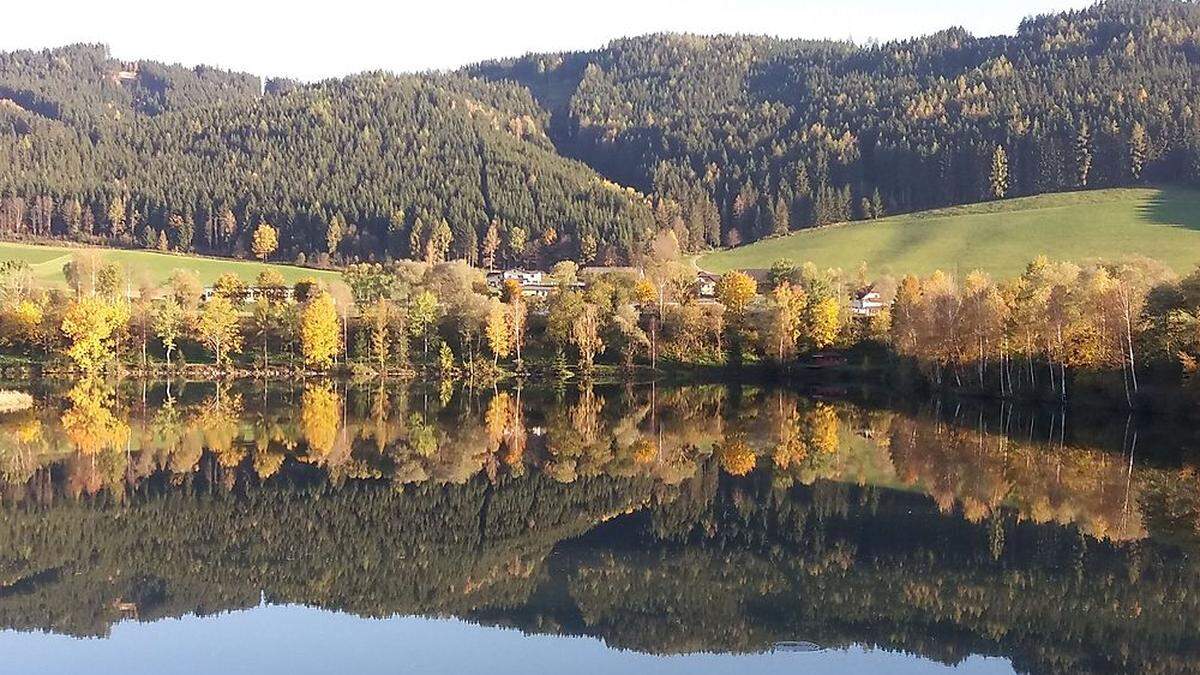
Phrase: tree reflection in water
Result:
[690,519]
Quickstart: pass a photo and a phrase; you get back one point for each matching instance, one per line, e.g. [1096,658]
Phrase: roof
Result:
[864,291]
[597,270]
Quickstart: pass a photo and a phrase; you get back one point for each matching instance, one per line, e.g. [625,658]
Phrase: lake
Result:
[153,527]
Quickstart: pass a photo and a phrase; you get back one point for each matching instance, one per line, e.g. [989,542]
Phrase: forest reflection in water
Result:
[724,519]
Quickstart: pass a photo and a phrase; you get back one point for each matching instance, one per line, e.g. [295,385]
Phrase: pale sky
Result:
[311,39]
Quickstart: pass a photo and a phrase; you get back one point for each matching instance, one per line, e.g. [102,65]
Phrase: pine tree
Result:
[116,217]
[491,244]
[877,208]
[226,226]
[416,240]
[1139,149]
[782,217]
[334,233]
[395,233]
[1083,154]
[998,181]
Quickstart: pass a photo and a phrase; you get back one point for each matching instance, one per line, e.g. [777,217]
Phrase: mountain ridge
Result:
[588,154]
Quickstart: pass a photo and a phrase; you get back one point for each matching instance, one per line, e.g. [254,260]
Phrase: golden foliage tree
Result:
[498,331]
[736,290]
[264,242]
[91,325]
[585,335]
[320,332]
[168,322]
[218,328]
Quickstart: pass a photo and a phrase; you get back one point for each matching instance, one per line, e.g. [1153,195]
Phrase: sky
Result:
[310,39]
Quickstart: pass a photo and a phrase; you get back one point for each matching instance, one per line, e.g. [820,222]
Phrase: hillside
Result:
[997,237]
[46,264]
[369,166]
[584,155]
[753,136]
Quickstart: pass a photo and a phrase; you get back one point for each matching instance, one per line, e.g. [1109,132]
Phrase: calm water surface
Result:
[327,527]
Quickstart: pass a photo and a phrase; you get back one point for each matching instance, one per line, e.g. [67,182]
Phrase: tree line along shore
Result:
[1058,331]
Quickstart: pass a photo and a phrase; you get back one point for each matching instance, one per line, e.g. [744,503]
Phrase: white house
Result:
[866,302]
[706,284]
[533,284]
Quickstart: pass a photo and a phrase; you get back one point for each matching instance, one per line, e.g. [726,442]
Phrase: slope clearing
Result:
[997,237]
[47,264]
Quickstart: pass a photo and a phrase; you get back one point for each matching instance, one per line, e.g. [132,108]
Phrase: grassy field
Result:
[47,264]
[997,237]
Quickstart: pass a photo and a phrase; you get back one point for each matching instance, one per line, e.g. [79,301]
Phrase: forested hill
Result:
[586,154]
[776,135]
[373,165]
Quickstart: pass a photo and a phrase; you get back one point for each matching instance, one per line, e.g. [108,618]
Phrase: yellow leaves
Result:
[788,304]
[22,322]
[499,330]
[89,423]
[644,291]
[824,322]
[320,332]
[736,290]
[737,458]
[27,316]
[217,422]
[585,335]
[91,324]
[320,412]
[218,328]
[822,429]
[644,451]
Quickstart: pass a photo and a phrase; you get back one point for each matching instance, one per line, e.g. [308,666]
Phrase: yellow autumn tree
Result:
[22,322]
[90,324]
[320,333]
[499,331]
[735,290]
[823,322]
[644,291]
[264,241]
[218,328]
[788,304]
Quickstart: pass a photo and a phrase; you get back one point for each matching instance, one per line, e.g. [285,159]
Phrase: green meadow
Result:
[47,262]
[997,237]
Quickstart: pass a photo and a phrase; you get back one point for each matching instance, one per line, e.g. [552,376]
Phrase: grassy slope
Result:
[997,237]
[47,264]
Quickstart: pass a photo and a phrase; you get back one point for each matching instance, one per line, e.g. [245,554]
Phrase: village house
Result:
[866,302]
[706,285]
[253,293]
[534,284]
[537,284]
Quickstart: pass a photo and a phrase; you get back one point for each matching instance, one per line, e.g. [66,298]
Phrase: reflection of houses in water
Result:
[800,646]
[127,610]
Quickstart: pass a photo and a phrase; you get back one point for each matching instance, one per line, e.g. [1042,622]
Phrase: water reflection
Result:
[666,521]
